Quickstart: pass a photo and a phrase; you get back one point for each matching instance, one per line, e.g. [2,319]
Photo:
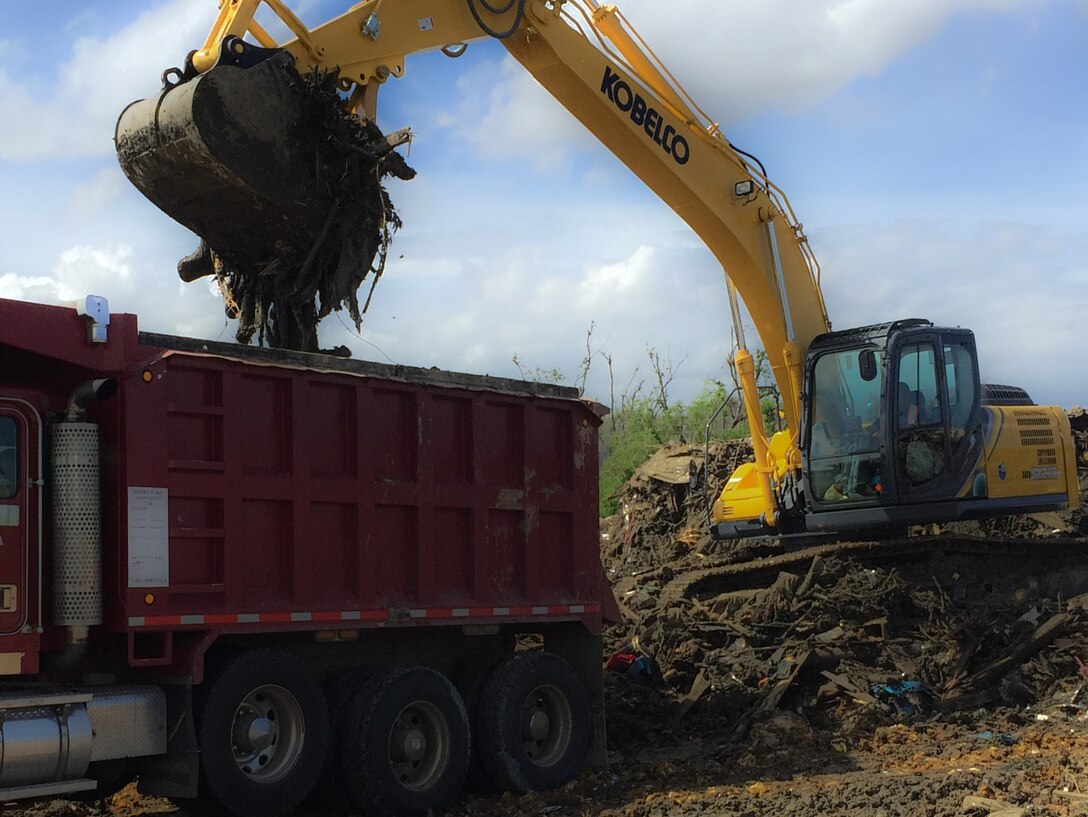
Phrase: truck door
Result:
[19,459]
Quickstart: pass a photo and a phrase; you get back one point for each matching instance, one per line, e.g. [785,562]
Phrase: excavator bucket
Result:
[282,185]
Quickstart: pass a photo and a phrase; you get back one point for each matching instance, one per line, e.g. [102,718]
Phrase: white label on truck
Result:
[148,537]
[426,23]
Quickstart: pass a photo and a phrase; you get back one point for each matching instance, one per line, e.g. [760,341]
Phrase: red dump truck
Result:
[250,576]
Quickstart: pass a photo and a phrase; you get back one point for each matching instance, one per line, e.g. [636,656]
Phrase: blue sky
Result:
[936,151]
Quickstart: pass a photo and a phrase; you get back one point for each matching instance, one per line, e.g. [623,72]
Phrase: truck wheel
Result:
[534,724]
[263,732]
[405,744]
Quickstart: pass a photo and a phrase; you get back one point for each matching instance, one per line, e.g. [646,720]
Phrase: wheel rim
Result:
[546,724]
[267,733]
[419,746]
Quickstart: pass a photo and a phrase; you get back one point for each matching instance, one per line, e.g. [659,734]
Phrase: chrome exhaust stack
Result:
[77,515]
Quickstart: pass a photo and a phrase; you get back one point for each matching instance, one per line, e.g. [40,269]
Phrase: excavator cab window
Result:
[961,377]
[8,463]
[936,397]
[921,441]
[846,457]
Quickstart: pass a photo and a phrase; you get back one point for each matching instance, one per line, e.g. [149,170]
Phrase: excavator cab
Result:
[899,430]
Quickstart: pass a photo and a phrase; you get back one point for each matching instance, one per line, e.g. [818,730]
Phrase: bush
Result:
[634,432]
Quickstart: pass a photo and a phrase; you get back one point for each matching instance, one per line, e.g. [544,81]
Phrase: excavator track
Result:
[987,563]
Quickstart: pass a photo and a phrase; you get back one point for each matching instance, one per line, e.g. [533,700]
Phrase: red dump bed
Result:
[299,493]
[248,489]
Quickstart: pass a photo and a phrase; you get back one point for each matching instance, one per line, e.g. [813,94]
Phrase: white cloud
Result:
[78,271]
[82,19]
[72,113]
[130,283]
[535,301]
[740,57]
[91,198]
[504,113]
[1022,289]
[737,58]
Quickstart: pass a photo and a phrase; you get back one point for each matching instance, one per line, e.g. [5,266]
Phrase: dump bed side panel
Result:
[297,496]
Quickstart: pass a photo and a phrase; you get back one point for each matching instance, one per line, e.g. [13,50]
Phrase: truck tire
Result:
[331,796]
[405,744]
[533,728]
[263,731]
[471,683]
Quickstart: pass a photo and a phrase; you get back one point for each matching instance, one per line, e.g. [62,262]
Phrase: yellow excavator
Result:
[885,426]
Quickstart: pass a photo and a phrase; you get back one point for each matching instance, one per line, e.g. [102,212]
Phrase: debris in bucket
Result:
[283,301]
[286,195]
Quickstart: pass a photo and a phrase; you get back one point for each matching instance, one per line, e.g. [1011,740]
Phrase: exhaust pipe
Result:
[77,516]
[93,391]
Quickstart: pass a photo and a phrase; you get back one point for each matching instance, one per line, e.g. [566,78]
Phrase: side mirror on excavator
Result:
[867,365]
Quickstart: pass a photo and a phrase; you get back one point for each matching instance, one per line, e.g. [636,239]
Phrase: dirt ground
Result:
[950,682]
[1006,762]
[930,769]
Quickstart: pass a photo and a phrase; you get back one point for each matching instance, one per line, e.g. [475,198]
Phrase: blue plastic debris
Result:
[1002,738]
[907,698]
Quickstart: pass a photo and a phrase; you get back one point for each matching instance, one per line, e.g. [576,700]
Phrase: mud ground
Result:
[788,768]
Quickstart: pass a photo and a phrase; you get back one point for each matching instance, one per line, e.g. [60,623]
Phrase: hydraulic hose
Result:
[745,153]
[498,35]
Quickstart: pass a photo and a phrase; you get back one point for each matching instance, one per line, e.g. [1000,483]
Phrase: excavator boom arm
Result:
[594,63]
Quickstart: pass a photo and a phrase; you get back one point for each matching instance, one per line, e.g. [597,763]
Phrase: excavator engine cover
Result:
[282,185]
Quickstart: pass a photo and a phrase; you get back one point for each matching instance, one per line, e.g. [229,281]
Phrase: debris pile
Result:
[663,519]
[849,637]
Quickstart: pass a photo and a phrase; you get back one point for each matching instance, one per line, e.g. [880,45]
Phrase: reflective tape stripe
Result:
[419,614]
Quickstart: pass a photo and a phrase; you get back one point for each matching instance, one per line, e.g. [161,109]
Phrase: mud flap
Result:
[176,773]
